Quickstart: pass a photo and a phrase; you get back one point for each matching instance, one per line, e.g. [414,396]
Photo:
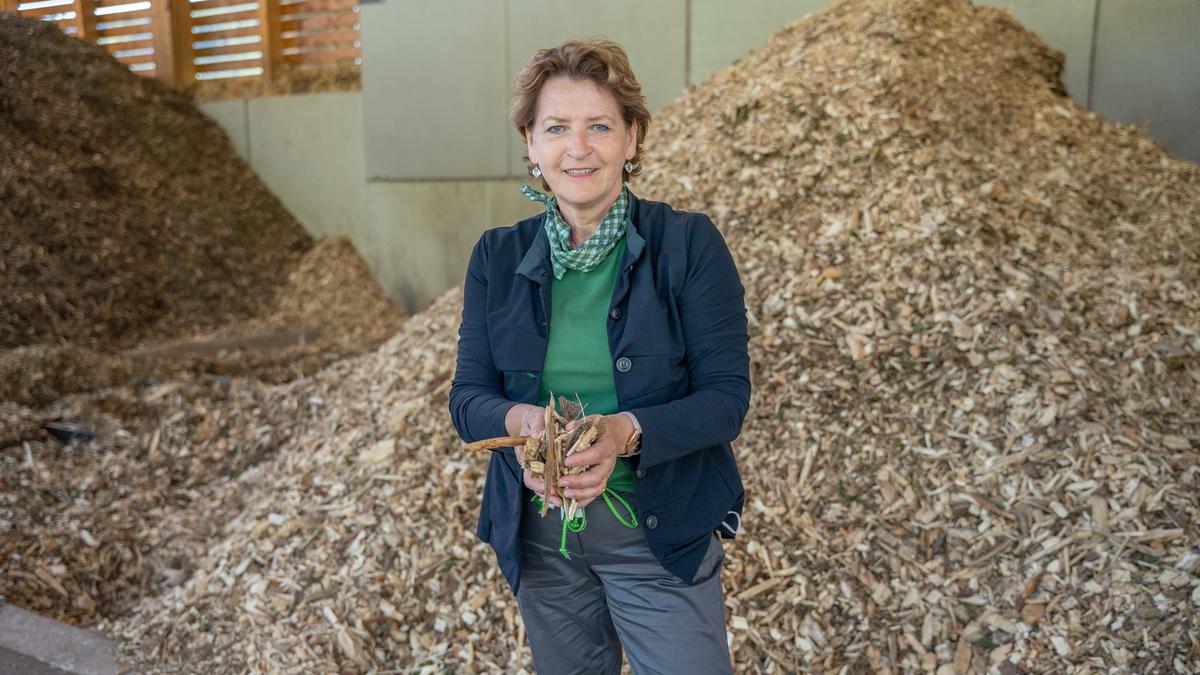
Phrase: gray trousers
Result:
[613,593]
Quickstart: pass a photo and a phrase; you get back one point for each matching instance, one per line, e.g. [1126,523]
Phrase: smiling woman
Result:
[582,128]
[580,144]
[636,309]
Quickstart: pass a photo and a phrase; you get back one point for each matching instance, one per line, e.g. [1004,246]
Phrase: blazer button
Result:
[640,473]
[615,314]
[651,521]
[624,364]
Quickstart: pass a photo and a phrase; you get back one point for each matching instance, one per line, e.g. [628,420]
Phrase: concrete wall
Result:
[435,91]
[444,70]
[1147,69]
[309,150]
[415,167]
[423,232]
[231,116]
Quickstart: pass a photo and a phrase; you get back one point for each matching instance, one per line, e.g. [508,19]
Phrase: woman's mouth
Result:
[579,173]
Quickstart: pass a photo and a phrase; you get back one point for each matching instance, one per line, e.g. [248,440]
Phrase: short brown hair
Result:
[601,61]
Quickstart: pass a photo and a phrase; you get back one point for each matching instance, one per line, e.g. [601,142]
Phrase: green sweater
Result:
[577,358]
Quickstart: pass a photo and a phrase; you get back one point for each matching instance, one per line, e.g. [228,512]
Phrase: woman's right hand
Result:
[529,420]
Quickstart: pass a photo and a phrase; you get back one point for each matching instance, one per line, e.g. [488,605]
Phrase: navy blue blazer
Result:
[677,335]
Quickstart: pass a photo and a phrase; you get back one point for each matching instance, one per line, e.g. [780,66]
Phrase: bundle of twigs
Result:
[546,453]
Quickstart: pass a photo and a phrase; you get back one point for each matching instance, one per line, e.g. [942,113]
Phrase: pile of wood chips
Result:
[329,308]
[135,242]
[137,248]
[159,423]
[38,374]
[973,441]
[974,436]
[80,537]
[126,215]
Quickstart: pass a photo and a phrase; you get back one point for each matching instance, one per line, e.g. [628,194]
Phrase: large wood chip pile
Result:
[38,374]
[126,218]
[329,308]
[80,531]
[352,545]
[976,307]
[973,442]
[139,441]
[125,214]
[134,241]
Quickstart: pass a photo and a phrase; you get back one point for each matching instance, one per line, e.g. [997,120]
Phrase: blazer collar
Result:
[536,263]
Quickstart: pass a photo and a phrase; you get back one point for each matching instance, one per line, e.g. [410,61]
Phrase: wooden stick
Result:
[550,472]
[1030,588]
[493,443]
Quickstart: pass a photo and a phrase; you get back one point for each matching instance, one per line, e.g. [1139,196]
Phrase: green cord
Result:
[628,509]
[579,522]
[575,524]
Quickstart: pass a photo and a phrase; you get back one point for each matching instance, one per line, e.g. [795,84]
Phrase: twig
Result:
[498,442]
[1030,589]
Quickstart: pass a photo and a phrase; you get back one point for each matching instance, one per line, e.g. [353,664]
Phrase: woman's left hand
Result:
[601,457]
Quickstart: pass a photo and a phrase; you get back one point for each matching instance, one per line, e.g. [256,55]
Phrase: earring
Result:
[629,166]
[536,171]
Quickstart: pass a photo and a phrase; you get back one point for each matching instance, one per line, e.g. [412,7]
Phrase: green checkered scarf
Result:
[593,251]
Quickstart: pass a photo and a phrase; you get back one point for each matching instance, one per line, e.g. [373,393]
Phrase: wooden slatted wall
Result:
[180,41]
[319,32]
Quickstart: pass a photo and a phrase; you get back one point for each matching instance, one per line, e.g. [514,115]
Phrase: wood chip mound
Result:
[131,231]
[973,442]
[125,214]
[331,286]
[83,484]
[38,374]
[976,346]
[145,269]
[158,424]
[16,422]
[329,309]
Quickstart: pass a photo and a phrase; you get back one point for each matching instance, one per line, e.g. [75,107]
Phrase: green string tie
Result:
[579,522]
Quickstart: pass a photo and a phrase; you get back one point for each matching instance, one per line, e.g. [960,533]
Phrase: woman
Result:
[638,310]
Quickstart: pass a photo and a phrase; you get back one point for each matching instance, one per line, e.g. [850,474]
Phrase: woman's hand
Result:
[524,419]
[529,420]
[601,457]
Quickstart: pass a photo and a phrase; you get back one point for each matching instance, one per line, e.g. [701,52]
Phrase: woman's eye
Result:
[557,128]
[600,127]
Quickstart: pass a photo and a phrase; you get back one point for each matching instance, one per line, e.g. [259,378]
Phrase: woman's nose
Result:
[579,146]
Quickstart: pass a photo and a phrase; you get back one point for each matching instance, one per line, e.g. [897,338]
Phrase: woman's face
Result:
[581,143]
